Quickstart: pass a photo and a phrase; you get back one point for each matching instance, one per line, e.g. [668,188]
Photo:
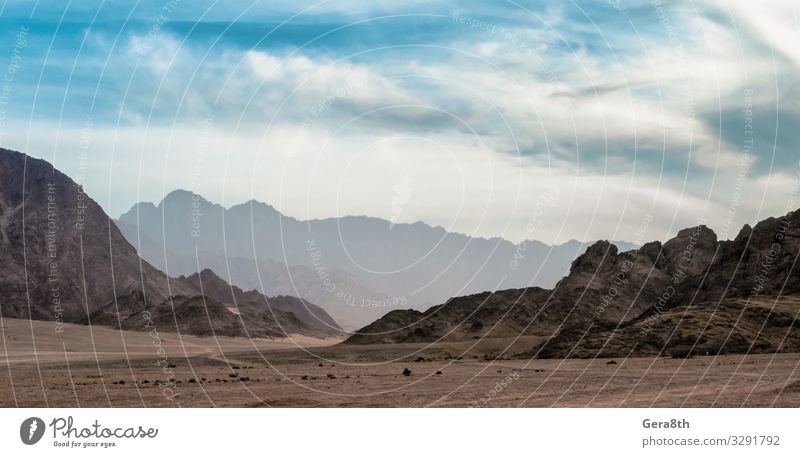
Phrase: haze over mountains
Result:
[63,259]
[357,268]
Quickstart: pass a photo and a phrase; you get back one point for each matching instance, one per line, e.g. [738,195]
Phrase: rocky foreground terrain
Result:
[62,259]
[690,295]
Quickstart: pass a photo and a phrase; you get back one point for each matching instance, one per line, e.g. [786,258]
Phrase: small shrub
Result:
[406,372]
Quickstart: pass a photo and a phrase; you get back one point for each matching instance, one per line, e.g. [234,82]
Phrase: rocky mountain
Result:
[63,259]
[202,315]
[357,268]
[733,326]
[124,312]
[311,315]
[498,314]
[690,295]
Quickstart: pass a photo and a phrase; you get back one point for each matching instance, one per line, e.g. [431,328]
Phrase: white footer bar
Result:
[399,432]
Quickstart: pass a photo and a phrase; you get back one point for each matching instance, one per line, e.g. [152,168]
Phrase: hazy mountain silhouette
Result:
[355,267]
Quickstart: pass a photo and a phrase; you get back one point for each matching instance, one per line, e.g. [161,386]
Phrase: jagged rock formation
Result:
[692,293]
[737,326]
[704,297]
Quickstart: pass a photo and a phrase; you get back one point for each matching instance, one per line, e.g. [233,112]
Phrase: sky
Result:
[525,120]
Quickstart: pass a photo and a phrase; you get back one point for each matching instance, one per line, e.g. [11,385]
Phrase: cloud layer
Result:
[683,112]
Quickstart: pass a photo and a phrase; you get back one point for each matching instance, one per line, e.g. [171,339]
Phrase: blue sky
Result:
[475,110]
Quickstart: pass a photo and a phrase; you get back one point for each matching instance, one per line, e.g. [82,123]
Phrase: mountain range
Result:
[357,268]
[63,259]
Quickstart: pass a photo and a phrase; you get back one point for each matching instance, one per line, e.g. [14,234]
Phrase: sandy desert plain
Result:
[100,367]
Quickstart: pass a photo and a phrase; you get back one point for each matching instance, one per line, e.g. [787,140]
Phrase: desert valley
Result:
[95,312]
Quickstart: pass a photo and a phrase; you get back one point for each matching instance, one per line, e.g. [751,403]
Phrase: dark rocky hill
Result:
[312,316]
[62,257]
[631,303]
[200,315]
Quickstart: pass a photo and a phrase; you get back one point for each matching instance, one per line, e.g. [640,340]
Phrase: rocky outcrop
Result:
[708,297]
[738,326]
[61,256]
[612,296]
[313,318]
[199,315]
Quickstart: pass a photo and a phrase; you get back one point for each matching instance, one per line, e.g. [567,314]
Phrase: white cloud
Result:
[537,98]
